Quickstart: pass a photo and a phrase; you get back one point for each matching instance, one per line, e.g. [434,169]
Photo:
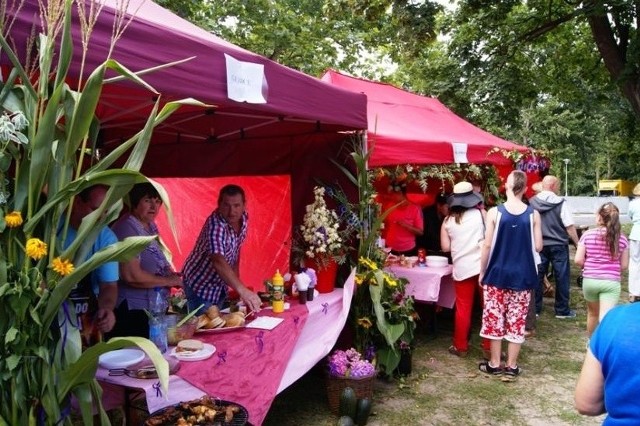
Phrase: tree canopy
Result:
[551,74]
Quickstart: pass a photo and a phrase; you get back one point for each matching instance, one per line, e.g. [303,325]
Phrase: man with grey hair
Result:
[558,231]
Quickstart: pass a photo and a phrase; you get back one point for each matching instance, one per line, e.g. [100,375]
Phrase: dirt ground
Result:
[447,390]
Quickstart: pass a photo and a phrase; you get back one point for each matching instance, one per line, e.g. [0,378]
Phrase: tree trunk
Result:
[615,60]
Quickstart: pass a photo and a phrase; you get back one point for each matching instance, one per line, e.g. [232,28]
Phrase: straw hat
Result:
[464,196]
[636,189]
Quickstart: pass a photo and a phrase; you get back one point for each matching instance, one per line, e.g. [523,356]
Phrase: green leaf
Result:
[120,251]
[83,371]
[11,335]
[12,361]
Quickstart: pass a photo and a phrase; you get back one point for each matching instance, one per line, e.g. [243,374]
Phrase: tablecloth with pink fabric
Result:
[428,284]
[239,371]
[248,364]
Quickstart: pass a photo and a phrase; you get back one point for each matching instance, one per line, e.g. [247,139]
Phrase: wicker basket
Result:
[363,387]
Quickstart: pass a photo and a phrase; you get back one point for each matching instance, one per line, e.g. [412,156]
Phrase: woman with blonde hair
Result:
[603,253]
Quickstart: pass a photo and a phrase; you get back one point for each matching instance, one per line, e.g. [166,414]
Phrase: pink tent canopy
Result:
[406,128]
[295,133]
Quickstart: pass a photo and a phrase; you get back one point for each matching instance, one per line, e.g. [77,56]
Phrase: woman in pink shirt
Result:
[603,253]
[403,223]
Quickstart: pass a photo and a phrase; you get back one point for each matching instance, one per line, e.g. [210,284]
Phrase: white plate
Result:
[204,353]
[122,358]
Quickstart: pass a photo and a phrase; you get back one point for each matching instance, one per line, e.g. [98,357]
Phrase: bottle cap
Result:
[277,279]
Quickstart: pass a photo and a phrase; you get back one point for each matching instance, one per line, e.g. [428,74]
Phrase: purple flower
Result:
[349,363]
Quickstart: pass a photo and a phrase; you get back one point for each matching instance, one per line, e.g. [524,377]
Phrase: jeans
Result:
[558,257]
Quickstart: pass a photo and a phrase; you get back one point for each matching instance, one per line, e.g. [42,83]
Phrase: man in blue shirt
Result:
[94,298]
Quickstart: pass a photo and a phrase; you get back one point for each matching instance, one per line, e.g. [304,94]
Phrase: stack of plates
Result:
[437,261]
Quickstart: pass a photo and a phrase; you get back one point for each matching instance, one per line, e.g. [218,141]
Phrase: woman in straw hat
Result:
[634,246]
[462,234]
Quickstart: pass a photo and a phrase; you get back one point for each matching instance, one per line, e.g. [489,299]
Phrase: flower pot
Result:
[326,273]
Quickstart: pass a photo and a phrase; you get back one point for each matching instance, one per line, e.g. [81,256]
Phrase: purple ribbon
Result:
[222,357]
[325,308]
[156,386]
[296,320]
[260,341]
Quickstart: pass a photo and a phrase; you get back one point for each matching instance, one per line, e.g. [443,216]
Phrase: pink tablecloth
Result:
[427,284]
[248,364]
[250,367]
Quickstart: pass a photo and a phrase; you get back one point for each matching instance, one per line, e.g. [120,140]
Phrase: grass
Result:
[446,390]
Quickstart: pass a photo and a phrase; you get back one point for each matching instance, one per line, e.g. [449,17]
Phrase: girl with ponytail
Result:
[603,253]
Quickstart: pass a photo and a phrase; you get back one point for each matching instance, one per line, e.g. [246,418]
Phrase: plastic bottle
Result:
[277,293]
[157,323]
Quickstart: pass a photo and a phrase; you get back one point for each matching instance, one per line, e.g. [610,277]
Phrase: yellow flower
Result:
[365,322]
[62,266]
[13,219]
[36,249]
[390,282]
[359,279]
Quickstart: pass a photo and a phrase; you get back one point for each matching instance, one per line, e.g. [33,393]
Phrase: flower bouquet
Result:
[320,232]
[349,369]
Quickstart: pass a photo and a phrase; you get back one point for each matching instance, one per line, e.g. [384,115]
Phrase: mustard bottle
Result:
[277,293]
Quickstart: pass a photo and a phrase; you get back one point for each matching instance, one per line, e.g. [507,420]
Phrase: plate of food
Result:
[205,411]
[215,321]
[121,358]
[192,350]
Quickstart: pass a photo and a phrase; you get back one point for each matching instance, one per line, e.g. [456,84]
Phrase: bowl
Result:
[437,261]
[185,331]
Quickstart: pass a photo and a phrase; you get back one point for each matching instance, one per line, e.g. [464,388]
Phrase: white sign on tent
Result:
[245,81]
[459,152]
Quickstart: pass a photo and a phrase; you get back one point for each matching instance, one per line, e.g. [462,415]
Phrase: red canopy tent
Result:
[405,128]
[408,128]
[293,134]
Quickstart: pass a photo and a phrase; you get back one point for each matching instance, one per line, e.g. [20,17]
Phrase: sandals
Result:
[454,351]
[515,371]
[510,374]
[488,369]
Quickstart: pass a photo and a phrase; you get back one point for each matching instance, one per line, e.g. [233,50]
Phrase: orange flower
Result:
[62,266]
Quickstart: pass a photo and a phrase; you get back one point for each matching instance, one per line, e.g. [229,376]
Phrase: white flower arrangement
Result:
[320,228]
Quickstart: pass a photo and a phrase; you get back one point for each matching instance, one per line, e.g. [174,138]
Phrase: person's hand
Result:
[175,280]
[105,319]
[250,299]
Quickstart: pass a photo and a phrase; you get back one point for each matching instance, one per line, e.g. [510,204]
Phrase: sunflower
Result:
[365,322]
[62,266]
[36,248]
[13,219]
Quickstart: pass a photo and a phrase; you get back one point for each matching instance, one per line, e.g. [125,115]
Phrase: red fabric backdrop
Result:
[268,204]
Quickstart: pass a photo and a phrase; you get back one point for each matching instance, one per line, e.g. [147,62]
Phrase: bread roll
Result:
[235,319]
[213,312]
[217,322]
[189,345]
[203,322]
